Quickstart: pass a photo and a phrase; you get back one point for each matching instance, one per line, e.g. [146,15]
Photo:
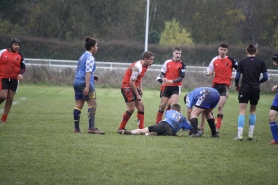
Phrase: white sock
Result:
[251,130]
[239,131]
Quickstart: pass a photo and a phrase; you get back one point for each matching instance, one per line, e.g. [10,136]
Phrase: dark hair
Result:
[251,49]
[147,55]
[223,45]
[275,56]
[176,49]
[89,42]
[176,106]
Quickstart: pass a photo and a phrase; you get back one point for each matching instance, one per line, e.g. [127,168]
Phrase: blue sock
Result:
[76,118]
[240,121]
[274,130]
[252,119]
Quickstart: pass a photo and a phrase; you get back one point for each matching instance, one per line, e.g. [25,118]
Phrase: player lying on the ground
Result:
[173,121]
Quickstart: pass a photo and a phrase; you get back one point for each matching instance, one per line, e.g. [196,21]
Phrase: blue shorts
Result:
[79,87]
[274,105]
[209,101]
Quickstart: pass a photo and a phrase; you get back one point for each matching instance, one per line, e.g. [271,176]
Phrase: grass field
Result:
[38,145]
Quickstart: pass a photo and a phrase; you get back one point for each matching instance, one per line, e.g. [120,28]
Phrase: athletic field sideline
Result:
[38,145]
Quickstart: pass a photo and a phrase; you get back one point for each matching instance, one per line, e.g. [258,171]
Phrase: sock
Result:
[219,121]
[159,116]
[240,122]
[4,117]
[140,118]
[212,126]
[274,130]
[168,107]
[125,119]
[91,117]
[252,122]
[194,124]
[76,117]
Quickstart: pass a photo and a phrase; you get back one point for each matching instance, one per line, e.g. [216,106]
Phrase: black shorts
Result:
[222,89]
[8,84]
[129,95]
[249,94]
[170,90]
[162,128]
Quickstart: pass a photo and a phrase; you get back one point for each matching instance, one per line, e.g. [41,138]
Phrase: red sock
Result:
[218,124]
[140,116]
[168,108]
[159,116]
[4,117]
[125,119]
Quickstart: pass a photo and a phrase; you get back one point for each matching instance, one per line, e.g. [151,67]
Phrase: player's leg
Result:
[129,98]
[163,102]
[196,111]
[8,105]
[211,123]
[140,131]
[273,124]
[254,98]
[140,114]
[79,103]
[219,118]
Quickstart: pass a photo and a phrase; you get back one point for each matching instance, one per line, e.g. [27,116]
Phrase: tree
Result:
[175,35]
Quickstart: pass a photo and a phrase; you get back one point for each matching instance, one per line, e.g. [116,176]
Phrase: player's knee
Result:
[271,118]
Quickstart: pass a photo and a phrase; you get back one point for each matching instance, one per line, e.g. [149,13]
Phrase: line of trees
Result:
[205,22]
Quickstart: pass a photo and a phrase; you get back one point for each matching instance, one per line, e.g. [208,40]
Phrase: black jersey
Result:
[251,69]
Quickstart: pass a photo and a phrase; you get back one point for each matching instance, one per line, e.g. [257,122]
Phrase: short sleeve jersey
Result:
[173,70]
[10,64]
[86,64]
[176,120]
[198,95]
[223,68]
[251,68]
[135,72]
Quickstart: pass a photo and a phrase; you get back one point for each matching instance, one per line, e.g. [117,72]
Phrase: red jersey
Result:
[135,72]
[223,68]
[10,64]
[173,70]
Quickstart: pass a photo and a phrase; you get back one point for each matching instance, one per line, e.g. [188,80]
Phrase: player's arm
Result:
[89,62]
[210,68]
[181,75]
[237,77]
[22,68]
[133,78]
[234,62]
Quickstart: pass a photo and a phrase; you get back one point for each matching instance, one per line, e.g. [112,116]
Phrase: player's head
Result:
[176,54]
[91,43]
[13,47]
[274,58]
[148,58]
[251,50]
[223,49]
[176,107]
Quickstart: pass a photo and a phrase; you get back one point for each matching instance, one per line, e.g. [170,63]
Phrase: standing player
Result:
[251,68]
[12,67]
[84,87]
[274,107]
[131,83]
[172,73]
[170,125]
[205,100]
[222,67]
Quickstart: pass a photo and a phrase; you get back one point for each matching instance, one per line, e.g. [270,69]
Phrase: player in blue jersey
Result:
[204,100]
[173,121]
[274,107]
[84,87]
[249,90]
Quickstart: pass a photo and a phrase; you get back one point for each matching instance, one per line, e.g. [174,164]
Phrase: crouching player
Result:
[205,99]
[274,107]
[173,121]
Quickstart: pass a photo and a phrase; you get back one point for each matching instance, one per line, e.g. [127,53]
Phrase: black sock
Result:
[212,126]
[194,124]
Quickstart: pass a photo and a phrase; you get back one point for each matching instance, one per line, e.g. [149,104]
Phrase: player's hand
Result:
[210,73]
[20,77]
[138,98]
[96,77]
[237,88]
[86,91]
[274,88]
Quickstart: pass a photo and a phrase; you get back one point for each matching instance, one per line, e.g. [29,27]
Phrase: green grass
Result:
[38,145]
